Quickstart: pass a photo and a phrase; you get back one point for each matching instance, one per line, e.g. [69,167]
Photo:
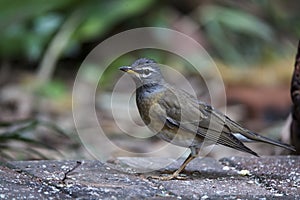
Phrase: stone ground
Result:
[229,178]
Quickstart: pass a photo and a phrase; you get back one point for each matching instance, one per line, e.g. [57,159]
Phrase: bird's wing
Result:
[184,113]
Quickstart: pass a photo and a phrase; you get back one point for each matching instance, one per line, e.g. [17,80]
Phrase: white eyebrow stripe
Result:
[150,69]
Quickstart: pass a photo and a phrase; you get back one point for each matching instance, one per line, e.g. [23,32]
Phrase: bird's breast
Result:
[145,99]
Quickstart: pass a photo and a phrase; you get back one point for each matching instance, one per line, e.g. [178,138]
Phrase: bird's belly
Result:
[182,139]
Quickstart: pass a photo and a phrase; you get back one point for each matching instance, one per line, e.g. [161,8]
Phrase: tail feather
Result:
[260,138]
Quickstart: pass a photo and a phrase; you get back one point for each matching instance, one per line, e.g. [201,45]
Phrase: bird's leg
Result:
[175,175]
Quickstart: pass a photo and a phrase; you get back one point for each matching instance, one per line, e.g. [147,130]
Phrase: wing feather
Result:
[195,118]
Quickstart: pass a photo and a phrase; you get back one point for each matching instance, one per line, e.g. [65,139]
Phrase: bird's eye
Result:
[146,72]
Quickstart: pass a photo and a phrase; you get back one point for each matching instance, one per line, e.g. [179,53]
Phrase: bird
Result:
[181,119]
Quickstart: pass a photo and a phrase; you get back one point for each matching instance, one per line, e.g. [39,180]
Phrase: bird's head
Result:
[144,71]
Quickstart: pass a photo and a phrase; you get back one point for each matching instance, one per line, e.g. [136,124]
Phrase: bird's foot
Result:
[168,177]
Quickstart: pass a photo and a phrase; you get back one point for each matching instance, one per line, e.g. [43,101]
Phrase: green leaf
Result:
[237,21]
[16,11]
[100,16]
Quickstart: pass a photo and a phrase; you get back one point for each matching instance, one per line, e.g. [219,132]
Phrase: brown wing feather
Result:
[184,113]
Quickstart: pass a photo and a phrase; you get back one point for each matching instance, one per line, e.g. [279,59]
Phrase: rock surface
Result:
[229,178]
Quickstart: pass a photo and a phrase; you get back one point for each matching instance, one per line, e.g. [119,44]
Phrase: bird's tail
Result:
[256,137]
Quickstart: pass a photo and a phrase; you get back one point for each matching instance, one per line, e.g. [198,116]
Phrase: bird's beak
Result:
[128,69]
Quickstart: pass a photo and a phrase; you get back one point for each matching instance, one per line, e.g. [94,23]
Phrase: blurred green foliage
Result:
[226,27]
[235,32]
[28,26]
[53,89]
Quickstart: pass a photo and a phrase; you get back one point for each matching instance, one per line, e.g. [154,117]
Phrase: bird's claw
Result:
[168,177]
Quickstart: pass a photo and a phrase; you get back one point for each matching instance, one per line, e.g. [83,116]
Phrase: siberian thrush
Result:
[181,119]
